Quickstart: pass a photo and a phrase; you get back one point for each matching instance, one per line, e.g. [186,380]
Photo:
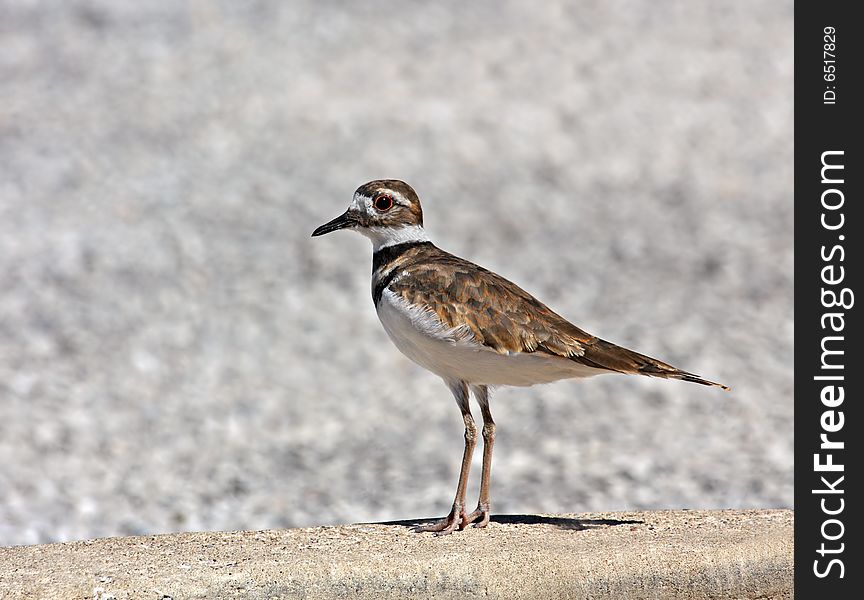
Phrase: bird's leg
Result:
[481,392]
[454,520]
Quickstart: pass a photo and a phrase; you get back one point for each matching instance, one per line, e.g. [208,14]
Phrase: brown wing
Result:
[506,318]
[500,314]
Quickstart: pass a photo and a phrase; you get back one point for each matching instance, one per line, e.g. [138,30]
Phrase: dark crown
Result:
[402,194]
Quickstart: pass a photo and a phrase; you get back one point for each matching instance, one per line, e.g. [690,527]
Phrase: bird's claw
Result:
[481,512]
[457,519]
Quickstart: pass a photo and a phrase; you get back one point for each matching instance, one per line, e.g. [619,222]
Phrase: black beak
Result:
[343,221]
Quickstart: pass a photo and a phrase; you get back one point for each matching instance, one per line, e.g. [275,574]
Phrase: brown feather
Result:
[506,318]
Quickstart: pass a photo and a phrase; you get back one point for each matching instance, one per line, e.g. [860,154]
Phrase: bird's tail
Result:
[685,376]
[610,356]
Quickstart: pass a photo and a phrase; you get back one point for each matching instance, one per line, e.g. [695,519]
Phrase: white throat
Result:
[390,236]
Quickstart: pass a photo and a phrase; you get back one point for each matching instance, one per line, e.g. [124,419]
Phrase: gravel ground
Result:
[177,354]
[663,555]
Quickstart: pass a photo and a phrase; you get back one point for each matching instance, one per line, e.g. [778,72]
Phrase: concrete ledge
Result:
[666,554]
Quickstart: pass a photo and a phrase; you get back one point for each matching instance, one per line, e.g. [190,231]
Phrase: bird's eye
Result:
[383,202]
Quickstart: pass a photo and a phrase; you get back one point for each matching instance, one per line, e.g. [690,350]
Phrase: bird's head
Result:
[387,211]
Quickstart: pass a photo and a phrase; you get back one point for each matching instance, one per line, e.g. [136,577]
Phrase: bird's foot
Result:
[455,520]
[481,512]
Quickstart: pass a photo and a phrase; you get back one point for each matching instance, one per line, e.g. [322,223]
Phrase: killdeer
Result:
[470,326]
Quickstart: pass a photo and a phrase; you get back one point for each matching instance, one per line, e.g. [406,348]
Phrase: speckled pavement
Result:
[664,555]
[177,354]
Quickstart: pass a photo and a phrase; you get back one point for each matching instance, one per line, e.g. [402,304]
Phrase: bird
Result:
[473,328]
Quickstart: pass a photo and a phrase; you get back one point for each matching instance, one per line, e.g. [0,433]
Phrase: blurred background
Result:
[177,354]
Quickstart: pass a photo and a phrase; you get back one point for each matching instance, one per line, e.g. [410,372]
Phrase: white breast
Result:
[453,354]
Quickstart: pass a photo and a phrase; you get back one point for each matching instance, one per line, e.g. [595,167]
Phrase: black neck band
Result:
[384,257]
[387,254]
